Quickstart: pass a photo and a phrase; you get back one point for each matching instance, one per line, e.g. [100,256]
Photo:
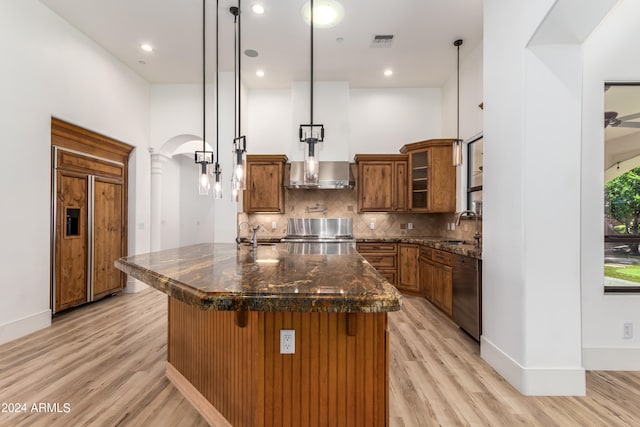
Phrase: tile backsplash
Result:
[344,204]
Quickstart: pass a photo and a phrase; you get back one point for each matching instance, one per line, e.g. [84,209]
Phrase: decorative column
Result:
[157,160]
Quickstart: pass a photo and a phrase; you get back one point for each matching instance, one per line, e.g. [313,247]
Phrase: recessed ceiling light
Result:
[326,13]
[260,73]
[146,47]
[388,73]
[339,39]
[251,53]
[258,9]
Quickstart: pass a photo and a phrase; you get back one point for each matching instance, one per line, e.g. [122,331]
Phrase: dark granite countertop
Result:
[296,277]
[467,249]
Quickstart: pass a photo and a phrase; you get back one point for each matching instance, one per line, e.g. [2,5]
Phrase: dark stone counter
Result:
[295,277]
[467,249]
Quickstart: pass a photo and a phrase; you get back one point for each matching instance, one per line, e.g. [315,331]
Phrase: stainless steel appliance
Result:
[319,230]
[467,294]
[331,175]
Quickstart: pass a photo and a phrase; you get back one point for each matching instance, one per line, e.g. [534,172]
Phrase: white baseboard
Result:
[134,286]
[563,381]
[611,359]
[21,327]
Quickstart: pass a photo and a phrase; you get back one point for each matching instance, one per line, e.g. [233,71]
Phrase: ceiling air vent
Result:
[382,40]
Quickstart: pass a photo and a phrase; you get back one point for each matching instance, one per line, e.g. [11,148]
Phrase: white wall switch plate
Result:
[410,226]
[372,225]
[627,330]
[287,341]
[274,225]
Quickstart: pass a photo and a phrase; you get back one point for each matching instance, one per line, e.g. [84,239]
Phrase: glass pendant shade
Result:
[204,159]
[204,179]
[217,187]
[311,163]
[457,152]
[239,164]
[311,135]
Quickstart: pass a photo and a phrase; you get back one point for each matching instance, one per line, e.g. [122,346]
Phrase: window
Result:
[474,174]
[622,188]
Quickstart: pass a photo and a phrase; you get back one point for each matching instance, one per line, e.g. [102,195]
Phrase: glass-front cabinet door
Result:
[420,180]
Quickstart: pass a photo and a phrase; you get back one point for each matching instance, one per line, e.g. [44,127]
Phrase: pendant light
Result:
[204,158]
[457,144]
[217,189]
[311,133]
[238,179]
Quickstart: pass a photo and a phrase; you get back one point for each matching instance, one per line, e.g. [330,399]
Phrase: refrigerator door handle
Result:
[90,242]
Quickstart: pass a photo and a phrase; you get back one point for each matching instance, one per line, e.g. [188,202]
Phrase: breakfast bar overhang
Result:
[227,305]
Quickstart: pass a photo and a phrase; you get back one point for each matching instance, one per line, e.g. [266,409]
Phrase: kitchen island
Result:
[227,306]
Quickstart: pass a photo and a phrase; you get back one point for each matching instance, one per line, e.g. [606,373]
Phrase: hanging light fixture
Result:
[217,189]
[457,144]
[204,158]
[311,133]
[238,181]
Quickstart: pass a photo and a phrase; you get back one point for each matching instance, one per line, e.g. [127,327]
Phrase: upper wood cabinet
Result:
[382,182]
[432,176]
[265,190]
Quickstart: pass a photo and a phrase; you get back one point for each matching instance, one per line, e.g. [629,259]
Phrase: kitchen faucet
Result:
[476,235]
[254,238]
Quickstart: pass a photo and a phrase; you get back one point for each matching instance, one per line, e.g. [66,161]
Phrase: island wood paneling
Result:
[332,379]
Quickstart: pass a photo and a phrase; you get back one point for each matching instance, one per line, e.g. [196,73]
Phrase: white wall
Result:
[50,69]
[610,54]
[531,273]
[383,120]
[356,120]
[196,212]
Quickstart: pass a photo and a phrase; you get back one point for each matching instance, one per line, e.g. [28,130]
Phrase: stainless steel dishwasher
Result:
[467,294]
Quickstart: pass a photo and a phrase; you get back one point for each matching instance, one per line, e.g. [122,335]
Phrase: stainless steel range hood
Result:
[331,175]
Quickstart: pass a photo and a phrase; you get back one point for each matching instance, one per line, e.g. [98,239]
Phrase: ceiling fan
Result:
[611,119]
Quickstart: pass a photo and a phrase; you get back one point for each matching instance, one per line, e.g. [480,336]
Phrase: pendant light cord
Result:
[458,43]
[236,80]
[239,68]
[217,92]
[311,82]
[204,87]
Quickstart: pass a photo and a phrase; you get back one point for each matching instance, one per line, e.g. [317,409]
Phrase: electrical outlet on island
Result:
[287,341]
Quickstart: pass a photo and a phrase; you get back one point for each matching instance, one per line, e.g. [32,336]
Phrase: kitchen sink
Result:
[453,242]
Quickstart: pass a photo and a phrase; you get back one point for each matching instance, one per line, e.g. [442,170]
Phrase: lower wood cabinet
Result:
[436,278]
[383,257]
[408,271]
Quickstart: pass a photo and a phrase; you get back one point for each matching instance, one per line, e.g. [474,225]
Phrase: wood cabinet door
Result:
[71,240]
[375,186]
[408,274]
[265,191]
[108,235]
[426,278]
[442,180]
[400,187]
[443,288]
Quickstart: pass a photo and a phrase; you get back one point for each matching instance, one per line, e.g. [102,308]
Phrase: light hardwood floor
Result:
[106,361]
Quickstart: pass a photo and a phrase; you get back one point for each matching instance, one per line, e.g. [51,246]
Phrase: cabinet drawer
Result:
[381,261]
[377,247]
[426,252]
[442,257]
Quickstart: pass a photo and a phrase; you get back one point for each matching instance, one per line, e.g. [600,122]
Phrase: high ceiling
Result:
[421,55]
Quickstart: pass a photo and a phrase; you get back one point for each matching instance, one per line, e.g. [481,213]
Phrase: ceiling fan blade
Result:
[630,117]
[629,125]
